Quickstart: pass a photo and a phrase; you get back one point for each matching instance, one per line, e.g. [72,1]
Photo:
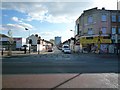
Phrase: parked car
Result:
[2,49]
[23,48]
[67,50]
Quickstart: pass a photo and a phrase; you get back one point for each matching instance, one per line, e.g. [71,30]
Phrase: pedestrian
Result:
[88,48]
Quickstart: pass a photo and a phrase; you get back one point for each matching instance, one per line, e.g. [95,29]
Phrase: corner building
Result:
[100,27]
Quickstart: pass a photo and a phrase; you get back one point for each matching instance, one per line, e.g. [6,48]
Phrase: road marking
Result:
[65,81]
[15,62]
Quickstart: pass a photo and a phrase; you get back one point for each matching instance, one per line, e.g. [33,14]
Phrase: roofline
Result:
[3,35]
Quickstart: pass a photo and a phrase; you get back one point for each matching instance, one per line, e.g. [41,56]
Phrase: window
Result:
[103,30]
[104,17]
[119,30]
[89,37]
[90,31]
[113,18]
[118,18]
[106,37]
[113,30]
[90,19]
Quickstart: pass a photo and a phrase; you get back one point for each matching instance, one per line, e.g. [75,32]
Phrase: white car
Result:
[23,47]
[67,50]
[64,47]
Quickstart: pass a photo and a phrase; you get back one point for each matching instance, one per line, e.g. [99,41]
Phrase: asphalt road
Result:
[58,62]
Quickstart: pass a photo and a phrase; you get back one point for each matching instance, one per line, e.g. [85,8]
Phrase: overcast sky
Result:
[48,18]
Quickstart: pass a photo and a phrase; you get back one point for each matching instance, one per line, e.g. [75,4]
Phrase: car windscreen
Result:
[66,47]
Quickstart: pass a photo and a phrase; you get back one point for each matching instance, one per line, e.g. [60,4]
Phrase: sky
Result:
[47,18]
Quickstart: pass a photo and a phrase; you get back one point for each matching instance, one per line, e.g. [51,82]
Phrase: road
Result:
[58,62]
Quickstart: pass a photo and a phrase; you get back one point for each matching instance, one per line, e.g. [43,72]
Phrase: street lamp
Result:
[29,41]
[117,29]
[99,40]
[10,42]
[38,42]
[73,32]
[74,40]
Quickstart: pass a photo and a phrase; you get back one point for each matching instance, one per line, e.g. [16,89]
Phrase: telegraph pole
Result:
[117,28]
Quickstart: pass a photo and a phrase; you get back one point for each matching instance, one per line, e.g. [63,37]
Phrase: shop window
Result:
[89,37]
[103,30]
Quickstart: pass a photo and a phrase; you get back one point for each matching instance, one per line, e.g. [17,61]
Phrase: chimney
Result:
[103,8]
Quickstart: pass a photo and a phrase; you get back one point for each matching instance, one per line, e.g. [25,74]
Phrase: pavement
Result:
[21,53]
[54,81]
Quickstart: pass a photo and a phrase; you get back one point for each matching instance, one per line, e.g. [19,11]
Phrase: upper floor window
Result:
[90,19]
[113,18]
[118,18]
[119,30]
[103,30]
[113,30]
[104,17]
[90,31]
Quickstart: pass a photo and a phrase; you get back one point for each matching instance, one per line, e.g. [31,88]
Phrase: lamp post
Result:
[116,39]
[10,42]
[29,41]
[99,41]
[74,40]
[73,32]
[38,42]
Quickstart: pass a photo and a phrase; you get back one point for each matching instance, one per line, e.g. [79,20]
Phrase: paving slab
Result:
[102,80]
[34,81]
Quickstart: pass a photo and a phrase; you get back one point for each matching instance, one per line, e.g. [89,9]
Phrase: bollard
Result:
[25,50]
[38,52]
[2,52]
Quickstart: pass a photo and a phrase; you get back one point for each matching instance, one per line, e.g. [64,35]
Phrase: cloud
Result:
[16,19]
[26,25]
[45,0]
[53,12]
[108,4]
[2,28]
[51,35]
[16,27]
[13,27]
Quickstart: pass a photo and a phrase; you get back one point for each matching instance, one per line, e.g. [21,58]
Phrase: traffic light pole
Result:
[38,42]
[38,48]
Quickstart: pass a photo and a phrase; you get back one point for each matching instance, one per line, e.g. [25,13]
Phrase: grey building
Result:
[57,40]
